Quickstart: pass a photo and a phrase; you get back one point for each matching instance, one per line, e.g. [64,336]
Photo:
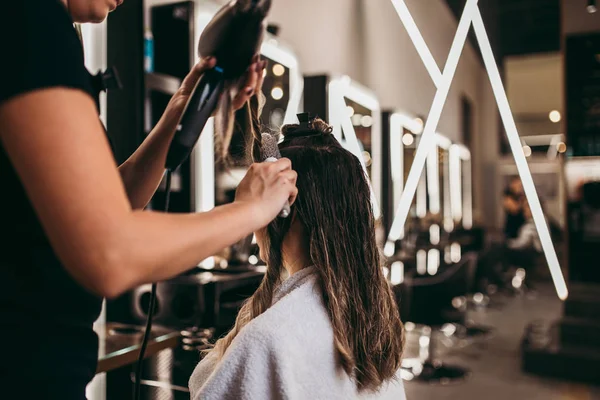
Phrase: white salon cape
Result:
[285,353]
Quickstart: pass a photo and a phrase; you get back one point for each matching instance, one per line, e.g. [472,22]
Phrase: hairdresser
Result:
[71,220]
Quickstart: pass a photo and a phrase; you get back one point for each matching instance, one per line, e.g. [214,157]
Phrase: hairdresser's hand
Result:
[266,187]
[252,85]
[253,82]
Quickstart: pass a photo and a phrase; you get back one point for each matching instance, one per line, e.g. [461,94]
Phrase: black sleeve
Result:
[40,48]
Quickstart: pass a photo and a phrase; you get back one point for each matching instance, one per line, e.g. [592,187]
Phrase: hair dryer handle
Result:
[201,105]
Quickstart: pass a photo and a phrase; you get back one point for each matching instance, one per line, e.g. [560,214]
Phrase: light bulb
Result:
[419,124]
[277,93]
[366,121]
[278,70]
[408,139]
[554,116]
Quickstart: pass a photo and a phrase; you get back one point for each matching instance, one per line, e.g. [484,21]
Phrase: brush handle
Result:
[285,211]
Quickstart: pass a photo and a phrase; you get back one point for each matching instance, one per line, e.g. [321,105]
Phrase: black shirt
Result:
[45,316]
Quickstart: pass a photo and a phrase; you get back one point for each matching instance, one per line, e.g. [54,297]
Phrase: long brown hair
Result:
[334,207]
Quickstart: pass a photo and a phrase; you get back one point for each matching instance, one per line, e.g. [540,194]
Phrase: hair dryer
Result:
[233,36]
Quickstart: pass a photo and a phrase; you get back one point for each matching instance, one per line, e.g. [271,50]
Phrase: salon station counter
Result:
[119,344]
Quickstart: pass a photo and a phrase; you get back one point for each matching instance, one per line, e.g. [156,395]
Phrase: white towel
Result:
[285,353]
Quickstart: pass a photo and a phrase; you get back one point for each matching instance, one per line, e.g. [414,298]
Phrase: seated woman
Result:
[331,330]
[519,252]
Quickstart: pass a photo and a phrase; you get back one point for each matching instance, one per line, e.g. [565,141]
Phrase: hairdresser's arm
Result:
[56,144]
[142,172]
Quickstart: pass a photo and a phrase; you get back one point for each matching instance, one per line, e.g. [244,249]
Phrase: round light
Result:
[264,73]
[366,121]
[591,9]
[527,150]
[253,260]
[419,125]
[408,139]
[277,93]
[554,116]
[478,298]
[350,111]
[356,118]
[561,147]
[367,158]
[517,282]
[278,69]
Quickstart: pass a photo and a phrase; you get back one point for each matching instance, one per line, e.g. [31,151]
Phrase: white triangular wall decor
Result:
[442,81]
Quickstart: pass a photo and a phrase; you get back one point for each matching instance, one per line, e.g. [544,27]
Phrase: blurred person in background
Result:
[513,207]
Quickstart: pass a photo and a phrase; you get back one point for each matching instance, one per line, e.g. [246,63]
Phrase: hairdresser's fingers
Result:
[280,165]
[289,175]
[261,75]
[251,85]
[293,195]
[194,75]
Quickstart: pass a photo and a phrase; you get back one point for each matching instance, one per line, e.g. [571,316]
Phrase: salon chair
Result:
[430,301]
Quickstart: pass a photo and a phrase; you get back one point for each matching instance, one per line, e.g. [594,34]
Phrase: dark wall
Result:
[125,107]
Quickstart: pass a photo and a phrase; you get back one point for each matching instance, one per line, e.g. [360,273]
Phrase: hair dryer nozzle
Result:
[234,35]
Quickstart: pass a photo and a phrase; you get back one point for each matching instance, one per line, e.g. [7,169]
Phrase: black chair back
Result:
[427,300]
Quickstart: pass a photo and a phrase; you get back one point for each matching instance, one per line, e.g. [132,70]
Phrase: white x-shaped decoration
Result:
[442,81]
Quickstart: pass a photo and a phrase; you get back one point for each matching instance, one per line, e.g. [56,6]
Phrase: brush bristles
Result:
[269,148]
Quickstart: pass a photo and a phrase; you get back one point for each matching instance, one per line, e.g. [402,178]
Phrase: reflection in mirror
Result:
[355,115]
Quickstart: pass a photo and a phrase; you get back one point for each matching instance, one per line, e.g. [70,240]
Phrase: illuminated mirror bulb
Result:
[278,70]
[350,111]
[366,121]
[527,151]
[419,124]
[397,273]
[277,93]
[554,116]
[408,139]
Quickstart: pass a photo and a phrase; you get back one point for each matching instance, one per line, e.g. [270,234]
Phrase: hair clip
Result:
[305,121]
[305,128]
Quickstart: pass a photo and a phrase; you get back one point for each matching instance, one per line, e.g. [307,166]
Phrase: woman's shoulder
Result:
[299,314]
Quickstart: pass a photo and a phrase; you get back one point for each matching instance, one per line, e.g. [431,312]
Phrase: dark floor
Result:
[495,363]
